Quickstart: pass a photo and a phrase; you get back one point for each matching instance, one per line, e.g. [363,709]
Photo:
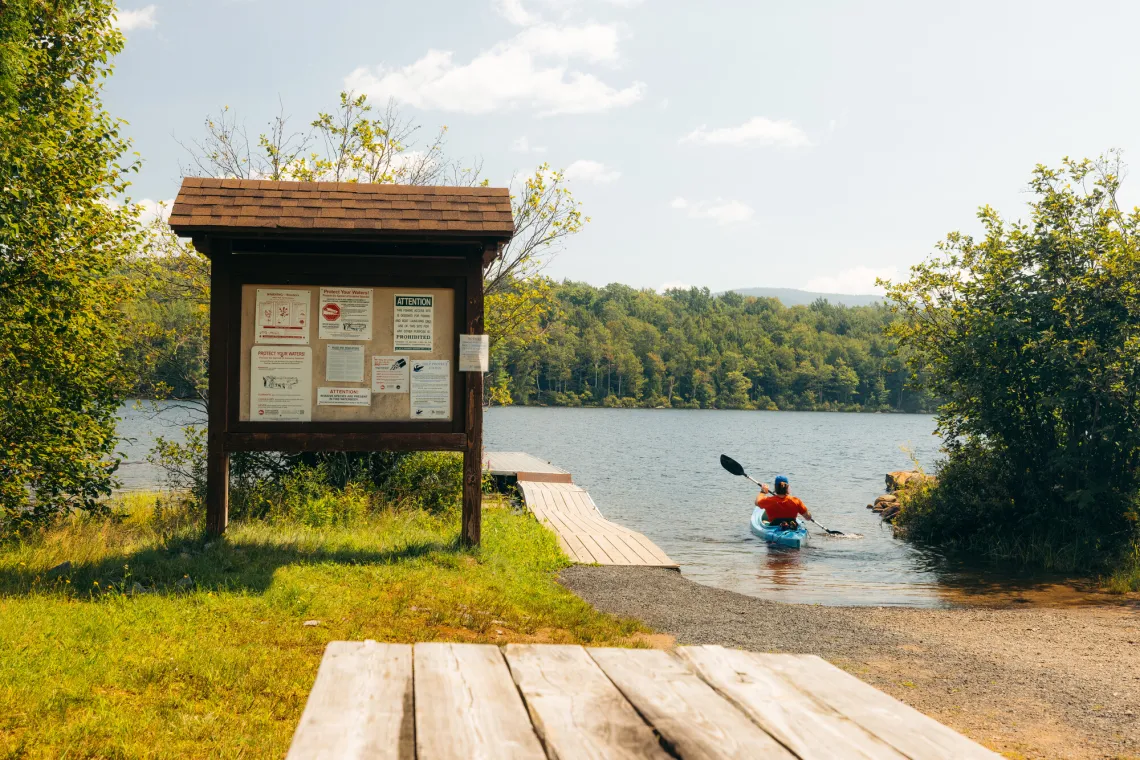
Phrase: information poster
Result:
[344,364]
[346,314]
[344,397]
[431,389]
[282,316]
[389,374]
[474,353]
[281,384]
[413,322]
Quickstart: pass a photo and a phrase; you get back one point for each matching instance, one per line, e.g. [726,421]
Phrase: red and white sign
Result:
[282,316]
[346,314]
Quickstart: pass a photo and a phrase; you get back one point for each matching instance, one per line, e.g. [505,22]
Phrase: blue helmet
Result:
[781,479]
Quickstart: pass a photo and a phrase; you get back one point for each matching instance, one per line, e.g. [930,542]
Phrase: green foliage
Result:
[620,347]
[429,480]
[331,488]
[1031,335]
[62,238]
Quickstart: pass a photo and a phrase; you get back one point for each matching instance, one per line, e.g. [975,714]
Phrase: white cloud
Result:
[530,70]
[522,145]
[673,285]
[141,18]
[719,210]
[856,280]
[514,12]
[584,170]
[759,130]
[152,209]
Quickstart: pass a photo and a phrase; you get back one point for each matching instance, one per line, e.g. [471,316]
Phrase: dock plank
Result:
[807,727]
[904,728]
[467,706]
[585,535]
[696,721]
[575,708]
[360,706]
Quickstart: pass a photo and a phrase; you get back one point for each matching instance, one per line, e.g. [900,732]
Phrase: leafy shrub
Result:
[1032,337]
[429,480]
[332,488]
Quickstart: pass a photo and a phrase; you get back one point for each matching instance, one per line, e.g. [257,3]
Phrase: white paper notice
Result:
[344,364]
[474,353]
[413,323]
[346,314]
[344,397]
[281,384]
[282,316]
[431,389]
[389,374]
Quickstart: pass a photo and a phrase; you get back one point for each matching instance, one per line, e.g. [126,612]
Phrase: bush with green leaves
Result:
[1031,335]
[63,238]
[326,488]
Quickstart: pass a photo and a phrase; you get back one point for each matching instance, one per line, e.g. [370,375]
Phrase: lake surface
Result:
[657,471]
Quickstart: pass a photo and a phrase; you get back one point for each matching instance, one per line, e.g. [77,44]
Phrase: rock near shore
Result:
[900,478]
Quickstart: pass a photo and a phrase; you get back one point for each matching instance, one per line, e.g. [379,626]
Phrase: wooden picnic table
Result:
[441,701]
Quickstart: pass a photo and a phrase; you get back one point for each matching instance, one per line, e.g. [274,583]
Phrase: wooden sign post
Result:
[344,317]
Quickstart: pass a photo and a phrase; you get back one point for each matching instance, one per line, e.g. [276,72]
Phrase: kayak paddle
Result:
[735,468]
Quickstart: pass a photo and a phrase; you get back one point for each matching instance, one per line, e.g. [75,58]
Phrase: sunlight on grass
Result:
[158,642]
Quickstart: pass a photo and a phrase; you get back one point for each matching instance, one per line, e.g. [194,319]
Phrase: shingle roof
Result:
[258,206]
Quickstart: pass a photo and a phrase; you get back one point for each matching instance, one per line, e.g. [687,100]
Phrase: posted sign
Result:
[281,384]
[346,314]
[413,322]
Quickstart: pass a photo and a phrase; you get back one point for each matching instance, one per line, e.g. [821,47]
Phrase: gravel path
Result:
[1029,682]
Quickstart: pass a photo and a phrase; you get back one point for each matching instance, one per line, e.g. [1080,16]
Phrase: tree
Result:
[1031,335]
[63,239]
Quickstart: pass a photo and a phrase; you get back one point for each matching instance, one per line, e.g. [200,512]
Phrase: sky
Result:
[813,145]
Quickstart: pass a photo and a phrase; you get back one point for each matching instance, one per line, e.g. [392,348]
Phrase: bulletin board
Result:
[324,395]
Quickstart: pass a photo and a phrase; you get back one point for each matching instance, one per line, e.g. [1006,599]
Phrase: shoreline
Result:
[1040,682]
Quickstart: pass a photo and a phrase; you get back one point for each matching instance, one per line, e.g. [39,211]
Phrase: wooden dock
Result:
[442,701]
[567,509]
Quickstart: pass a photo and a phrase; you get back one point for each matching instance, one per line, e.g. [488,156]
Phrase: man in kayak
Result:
[781,507]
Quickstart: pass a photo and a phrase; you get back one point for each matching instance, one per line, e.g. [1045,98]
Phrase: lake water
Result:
[657,471]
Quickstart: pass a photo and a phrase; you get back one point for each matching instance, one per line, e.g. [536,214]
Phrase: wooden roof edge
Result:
[355,187]
[198,229]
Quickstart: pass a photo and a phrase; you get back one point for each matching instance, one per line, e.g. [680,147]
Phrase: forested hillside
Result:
[617,346]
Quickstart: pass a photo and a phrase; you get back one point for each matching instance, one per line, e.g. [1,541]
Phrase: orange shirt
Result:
[781,507]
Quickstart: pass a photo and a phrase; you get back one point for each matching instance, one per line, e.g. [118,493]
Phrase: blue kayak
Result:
[774,534]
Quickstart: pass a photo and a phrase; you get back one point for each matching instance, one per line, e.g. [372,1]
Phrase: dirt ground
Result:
[1026,681]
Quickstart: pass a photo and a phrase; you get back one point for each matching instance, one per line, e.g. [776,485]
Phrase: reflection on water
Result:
[657,471]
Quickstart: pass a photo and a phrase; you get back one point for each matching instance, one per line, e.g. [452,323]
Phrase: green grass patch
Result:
[1126,578]
[157,642]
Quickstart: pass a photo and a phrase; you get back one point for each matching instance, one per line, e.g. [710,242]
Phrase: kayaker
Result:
[781,507]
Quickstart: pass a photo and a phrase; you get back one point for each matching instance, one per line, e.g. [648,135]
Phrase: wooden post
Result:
[472,529]
[217,458]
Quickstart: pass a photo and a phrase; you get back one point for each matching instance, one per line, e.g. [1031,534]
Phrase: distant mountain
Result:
[793,297]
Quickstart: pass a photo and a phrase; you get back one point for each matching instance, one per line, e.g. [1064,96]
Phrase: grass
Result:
[1126,578]
[159,643]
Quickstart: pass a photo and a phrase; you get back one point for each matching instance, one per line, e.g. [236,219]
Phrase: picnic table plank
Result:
[904,728]
[467,706]
[807,727]
[578,712]
[360,706]
[694,719]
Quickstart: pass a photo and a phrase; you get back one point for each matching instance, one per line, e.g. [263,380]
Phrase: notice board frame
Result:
[237,261]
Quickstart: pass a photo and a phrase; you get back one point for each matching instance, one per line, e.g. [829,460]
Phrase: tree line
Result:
[619,346]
